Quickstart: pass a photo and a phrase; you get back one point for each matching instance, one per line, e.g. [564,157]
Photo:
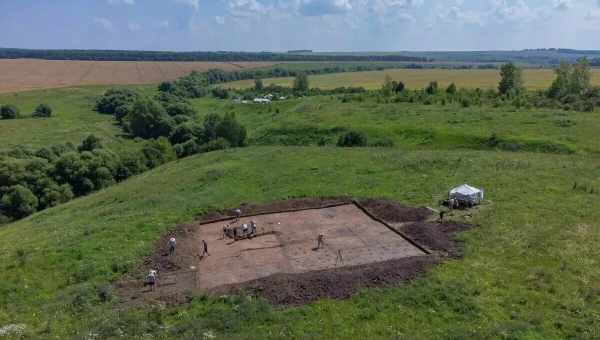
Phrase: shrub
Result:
[220,93]
[451,89]
[180,109]
[148,119]
[90,143]
[432,88]
[9,112]
[42,111]
[181,134]
[352,139]
[231,130]
[115,98]
[465,102]
[18,202]
[214,145]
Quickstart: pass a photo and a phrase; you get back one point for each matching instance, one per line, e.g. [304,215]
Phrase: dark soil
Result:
[297,289]
[438,237]
[392,212]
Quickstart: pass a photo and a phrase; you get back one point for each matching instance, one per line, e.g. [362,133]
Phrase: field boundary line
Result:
[399,233]
[223,219]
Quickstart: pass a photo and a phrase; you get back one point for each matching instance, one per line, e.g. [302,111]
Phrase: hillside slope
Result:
[527,271]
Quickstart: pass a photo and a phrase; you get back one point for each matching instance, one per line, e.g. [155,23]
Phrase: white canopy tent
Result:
[468,194]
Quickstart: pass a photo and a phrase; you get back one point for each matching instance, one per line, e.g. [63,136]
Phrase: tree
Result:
[451,89]
[301,83]
[511,80]
[571,80]
[166,86]
[42,111]
[90,143]
[18,202]
[148,119]
[231,130]
[258,85]
[183,109]
[352,139]
[115,98]
[9,112]
[432,88]
[387,87]
[399,87]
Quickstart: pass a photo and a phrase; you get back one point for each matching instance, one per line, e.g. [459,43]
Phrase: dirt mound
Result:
[393,212]
[297,289]
[438,237]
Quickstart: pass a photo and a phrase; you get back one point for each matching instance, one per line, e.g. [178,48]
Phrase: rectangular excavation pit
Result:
[286,244]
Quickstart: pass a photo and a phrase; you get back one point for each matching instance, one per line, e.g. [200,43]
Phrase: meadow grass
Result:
[73,119]
[535,79]
[528,268]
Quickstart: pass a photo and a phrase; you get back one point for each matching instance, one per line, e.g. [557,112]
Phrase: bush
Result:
[42,111]
[90,143]
[181,134]
[9,112]
[214,145]
[18,202]
[451,89]
[148,119]
[231,130]
[115,98]
[432,88]
[220,93]
[180,109]
[352,139]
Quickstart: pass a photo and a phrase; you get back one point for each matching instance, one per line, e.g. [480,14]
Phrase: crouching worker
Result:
[151,279]
[172,245]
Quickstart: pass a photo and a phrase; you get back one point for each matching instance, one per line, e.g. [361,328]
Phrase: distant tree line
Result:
[116,55]
[571,90]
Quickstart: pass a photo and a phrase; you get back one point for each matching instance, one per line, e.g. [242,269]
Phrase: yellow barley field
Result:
[31,74]
[535,79]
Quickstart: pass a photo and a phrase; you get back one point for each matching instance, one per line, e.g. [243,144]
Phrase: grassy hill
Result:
[530,264]
[527,272]
[535,79]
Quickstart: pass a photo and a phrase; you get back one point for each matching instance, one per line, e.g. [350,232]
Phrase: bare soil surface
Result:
[30,74]
[281,264]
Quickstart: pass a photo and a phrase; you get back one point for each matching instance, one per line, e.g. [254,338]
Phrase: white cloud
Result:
[105,24]
[324,7]
[513,10]
[563,5]
[117,2]
[220,20]
[246,8]
[195,4]
[133,27]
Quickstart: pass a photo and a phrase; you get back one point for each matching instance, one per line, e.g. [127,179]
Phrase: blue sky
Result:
[279,25]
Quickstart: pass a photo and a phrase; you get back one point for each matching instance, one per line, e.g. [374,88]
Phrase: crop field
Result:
[535,79]
[30,74]
[529,269]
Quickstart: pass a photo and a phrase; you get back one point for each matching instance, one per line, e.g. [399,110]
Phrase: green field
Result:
[535,79]
[73,118]
[530,267]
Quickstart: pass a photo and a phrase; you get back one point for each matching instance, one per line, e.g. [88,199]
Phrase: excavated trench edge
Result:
[333,205]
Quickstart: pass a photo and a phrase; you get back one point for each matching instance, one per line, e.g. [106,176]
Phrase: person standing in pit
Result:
[204,249]
[319,241]
[172,245]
